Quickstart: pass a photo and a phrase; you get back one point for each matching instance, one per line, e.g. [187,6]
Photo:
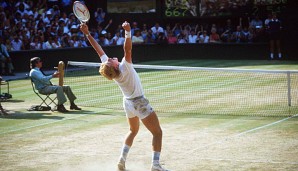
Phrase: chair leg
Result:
[44,101]
[3,112]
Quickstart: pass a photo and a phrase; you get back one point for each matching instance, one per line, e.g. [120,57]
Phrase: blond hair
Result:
[108,71]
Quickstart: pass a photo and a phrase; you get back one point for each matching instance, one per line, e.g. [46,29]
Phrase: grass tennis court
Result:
[91,139]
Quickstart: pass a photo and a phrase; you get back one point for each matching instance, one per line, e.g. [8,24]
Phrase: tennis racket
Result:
[81,11]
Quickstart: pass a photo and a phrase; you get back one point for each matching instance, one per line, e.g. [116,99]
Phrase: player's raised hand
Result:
[126,26]
[84,28]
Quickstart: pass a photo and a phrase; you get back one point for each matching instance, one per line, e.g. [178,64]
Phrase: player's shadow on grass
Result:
[32,116]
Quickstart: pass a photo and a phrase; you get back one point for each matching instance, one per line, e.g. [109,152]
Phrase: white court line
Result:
[250,161]
[245,132]
[15,130]
[96,153]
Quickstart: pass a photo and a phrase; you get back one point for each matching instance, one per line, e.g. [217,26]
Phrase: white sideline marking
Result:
[93,153]
[245,132]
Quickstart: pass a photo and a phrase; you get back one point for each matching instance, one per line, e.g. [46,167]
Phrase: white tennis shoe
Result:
[158,168]
[121,165]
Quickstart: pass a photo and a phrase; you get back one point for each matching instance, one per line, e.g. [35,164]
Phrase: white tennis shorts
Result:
[138,106]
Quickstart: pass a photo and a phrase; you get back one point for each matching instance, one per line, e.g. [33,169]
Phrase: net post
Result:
[289,88]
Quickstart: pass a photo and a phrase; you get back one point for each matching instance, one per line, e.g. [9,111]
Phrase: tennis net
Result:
[179,91]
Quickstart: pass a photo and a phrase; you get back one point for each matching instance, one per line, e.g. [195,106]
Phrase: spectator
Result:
[134,28]
[177,29]
[21,9]
[8,45]
[65,41]
[49,43]
[226,36]
[204,38]
[72,20]
[186,30]
[238,35]
[56,44]
[181,39]
[6,63]
[40,26]
[16,43]
[62,25]
[156,29]
[274,30]
[83,41]
[251,35]
[65,19]
[267,20]
[47,19]
[214,36]
[150,38]
[192,38]
[137,38]
[26,44]
[36,44]
[161,39]
[103,41]
[55,10]
[171,38]
[47,33]
[99,15]
[144,31]
[256,23]
[118,39]
[229,27]
[246,34]
[73,30]
[227,31]
[109,37]
[75,42]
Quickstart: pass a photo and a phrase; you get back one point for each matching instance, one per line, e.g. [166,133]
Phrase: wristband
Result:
[127,34]
[87,35]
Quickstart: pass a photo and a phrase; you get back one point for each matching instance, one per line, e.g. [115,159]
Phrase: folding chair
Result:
[47,100]
[4,96]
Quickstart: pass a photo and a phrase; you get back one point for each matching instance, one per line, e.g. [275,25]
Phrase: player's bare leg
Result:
[152,124]
[134,125]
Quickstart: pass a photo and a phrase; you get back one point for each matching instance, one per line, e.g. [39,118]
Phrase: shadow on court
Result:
[32,116]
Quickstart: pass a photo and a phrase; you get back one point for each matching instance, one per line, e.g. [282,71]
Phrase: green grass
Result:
[210,121]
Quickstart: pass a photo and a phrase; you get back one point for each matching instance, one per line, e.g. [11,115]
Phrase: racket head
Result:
[81,11]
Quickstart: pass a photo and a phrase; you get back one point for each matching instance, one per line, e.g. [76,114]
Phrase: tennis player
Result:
[135,104]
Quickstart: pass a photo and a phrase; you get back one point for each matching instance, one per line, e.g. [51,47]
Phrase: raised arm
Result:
[127,46]
[93,42]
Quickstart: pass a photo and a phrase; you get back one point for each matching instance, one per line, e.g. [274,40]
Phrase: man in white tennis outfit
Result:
[135,104]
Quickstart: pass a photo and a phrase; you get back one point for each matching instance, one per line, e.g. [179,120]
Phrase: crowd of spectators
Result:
[48,24]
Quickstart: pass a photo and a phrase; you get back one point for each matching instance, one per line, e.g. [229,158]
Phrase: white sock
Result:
[155,158]
[271,55]
[279,55]
[124,152]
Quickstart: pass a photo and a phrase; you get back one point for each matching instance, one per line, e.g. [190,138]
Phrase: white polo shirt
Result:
[128,81]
